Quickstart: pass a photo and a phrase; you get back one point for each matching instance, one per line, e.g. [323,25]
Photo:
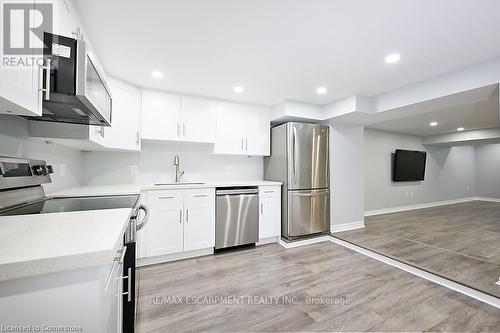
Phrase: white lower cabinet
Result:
[270,211]
[180,220]
[165,228]
[86,299]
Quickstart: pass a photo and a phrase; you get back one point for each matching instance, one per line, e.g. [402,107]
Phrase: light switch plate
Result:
[134,170]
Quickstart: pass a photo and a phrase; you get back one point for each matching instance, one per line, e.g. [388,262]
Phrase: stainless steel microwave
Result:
[73,88]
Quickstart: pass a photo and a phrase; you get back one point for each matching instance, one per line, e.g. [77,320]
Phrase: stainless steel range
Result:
[21,193]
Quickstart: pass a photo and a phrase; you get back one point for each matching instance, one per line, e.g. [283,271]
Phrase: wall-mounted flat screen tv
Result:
[408,165]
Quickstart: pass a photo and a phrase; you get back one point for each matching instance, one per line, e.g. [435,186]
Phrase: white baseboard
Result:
[423,274]
[347,226]
[418,206]
[173,257]
[487,199]
[303,242]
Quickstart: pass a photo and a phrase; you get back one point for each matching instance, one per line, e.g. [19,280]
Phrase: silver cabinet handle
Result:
[201,196]
[46,90]
[129,284]
[183,129]
[261,209]
[241,143]
[166,197]
[180,216]
[268,191]
[137,138]
[120,256]
[246,144]
[178,129]
[187,215]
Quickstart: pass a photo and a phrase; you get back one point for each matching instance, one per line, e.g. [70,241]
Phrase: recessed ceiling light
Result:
[392,58]
[238,89]
[460,129]
[434,123]
[321,90]
[157,74]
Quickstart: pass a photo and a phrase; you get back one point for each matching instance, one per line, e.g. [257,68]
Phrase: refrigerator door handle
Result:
[313,193]
[294,133]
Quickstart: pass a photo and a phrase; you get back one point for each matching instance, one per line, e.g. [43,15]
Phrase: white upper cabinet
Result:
[161,116]
[20,84]
[242,129]
[177,118]
[198,119]
[124,134]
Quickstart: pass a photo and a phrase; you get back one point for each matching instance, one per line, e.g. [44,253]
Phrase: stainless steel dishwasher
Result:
[237,216]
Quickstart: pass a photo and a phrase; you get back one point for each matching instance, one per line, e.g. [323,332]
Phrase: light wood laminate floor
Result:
[460,242]
[364,295]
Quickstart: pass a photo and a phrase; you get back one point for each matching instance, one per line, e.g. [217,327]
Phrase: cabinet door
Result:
[270,212]
[231,129]
[164,230]
[257,141]
[198,119]
[124,134]
[19,83]
[161,116]
[199,223]
[242,129]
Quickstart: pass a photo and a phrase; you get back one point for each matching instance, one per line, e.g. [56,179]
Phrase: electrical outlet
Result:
[229,171]
[134,170]
[407,194]
[62,169]
[411,194]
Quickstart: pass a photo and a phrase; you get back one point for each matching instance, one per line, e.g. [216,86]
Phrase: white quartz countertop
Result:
[46,243]
[136,189]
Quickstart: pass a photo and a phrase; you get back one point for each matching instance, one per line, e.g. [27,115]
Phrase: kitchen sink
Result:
[179,183]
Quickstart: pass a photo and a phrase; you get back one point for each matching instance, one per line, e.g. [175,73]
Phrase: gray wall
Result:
[488,171]
[15,142]
[155,165]
[347,176]
[450,172]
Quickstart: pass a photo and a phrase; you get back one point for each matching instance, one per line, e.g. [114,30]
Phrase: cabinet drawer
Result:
[200,194]
[164,198]
[269,191]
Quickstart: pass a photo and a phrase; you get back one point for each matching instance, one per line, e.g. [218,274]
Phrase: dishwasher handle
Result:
[237,191]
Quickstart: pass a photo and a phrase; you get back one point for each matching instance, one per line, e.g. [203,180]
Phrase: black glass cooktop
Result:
[57,205]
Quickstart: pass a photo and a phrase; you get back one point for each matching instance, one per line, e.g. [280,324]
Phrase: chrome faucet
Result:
[178,174]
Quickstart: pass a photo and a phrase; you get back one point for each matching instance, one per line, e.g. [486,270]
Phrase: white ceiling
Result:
[474,109]
[285,49]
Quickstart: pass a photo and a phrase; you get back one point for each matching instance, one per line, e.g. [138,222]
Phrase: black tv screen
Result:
[409,165]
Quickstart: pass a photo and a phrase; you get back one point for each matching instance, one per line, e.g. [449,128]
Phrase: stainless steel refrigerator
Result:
[300,159]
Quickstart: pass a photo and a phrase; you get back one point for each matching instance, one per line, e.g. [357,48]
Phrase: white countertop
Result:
[45,243]
[136,189]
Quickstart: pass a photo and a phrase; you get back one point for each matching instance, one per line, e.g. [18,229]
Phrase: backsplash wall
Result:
[155,165]
[15,142]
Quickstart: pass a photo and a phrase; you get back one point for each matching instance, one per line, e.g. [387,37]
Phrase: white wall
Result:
[450,172]
[346,173]
[155,165]
[15,142]
[488,170]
